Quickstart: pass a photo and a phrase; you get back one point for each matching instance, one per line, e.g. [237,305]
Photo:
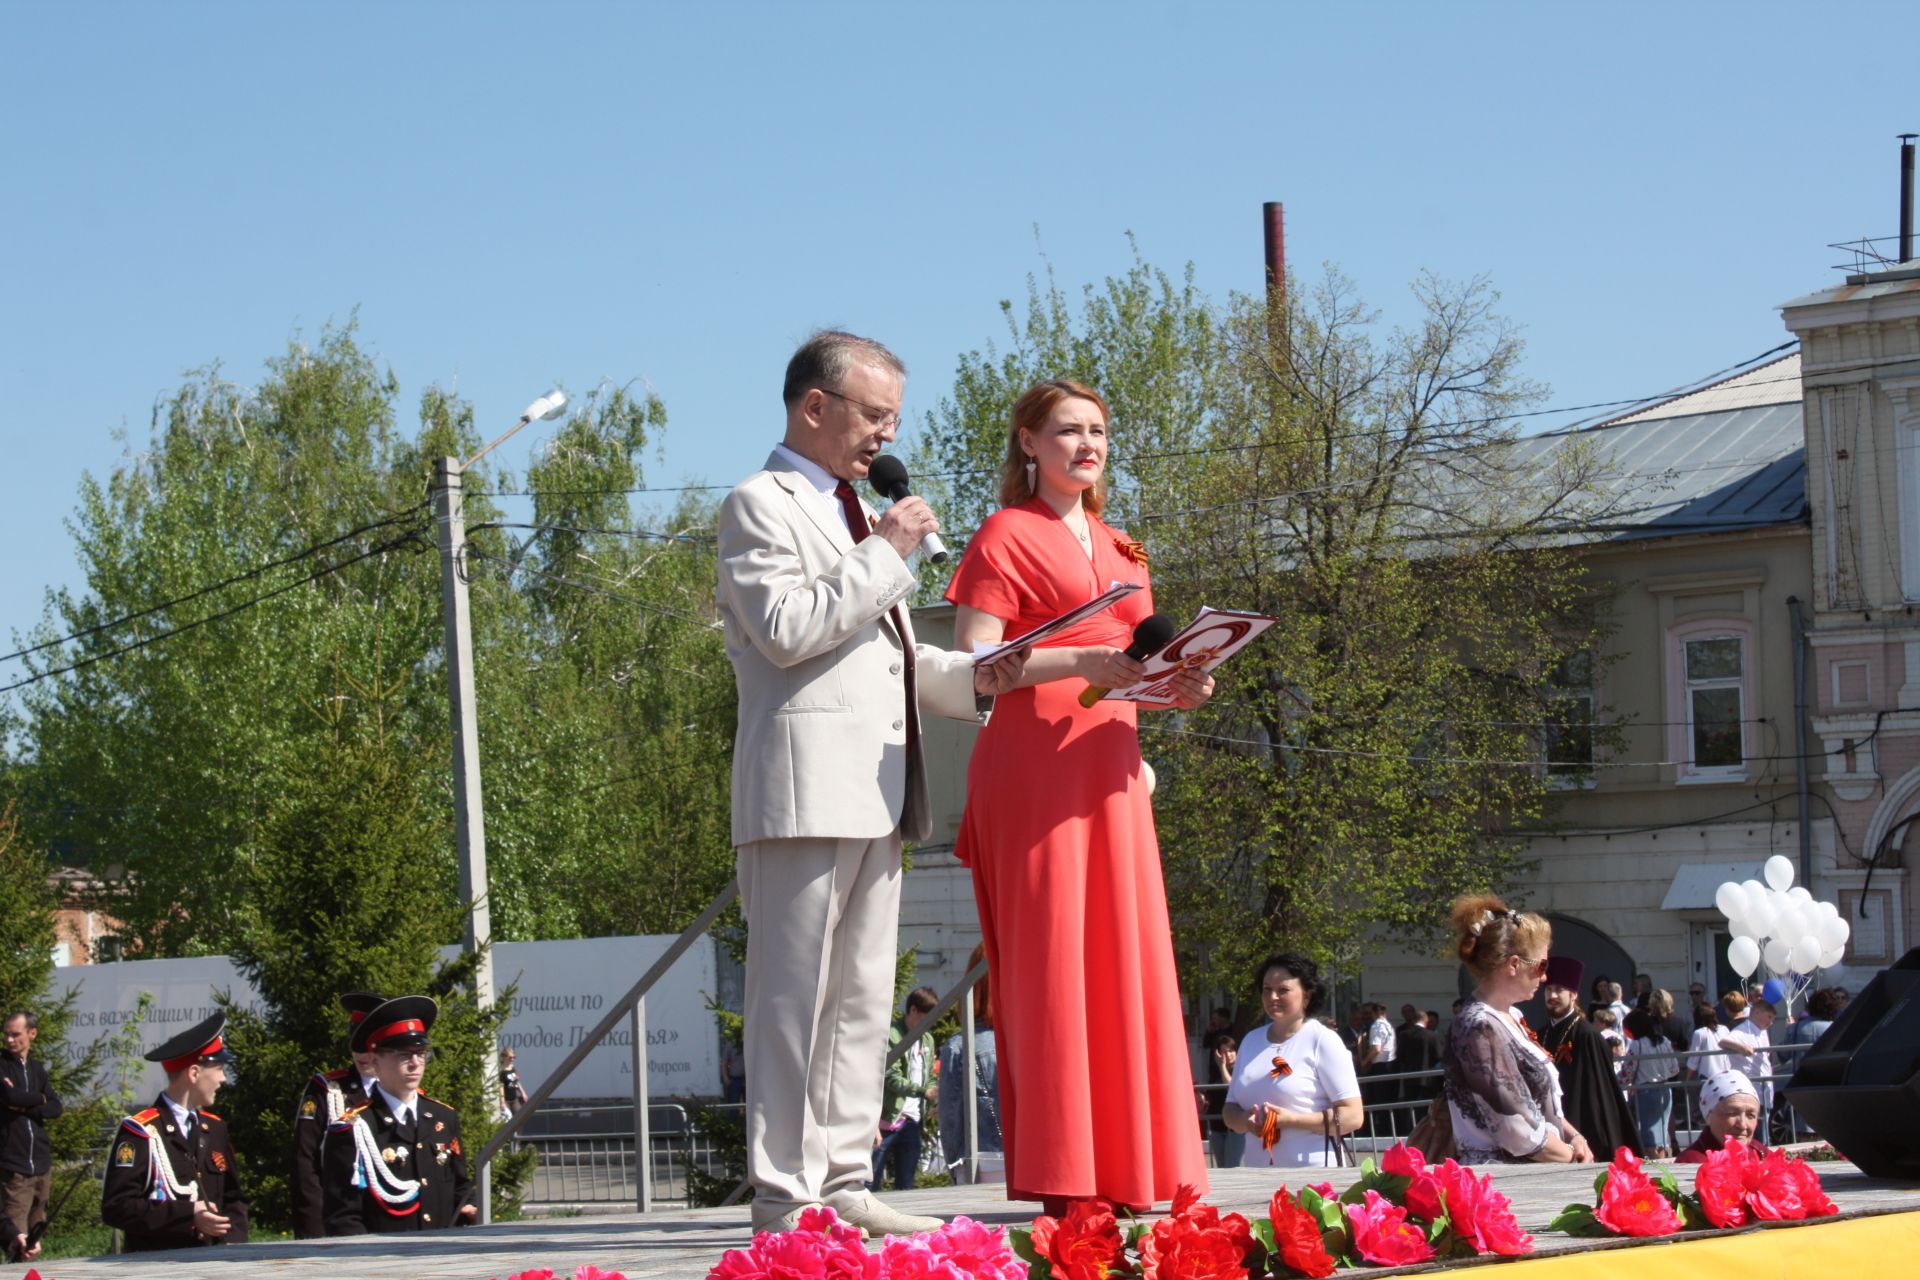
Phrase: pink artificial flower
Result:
[734,1264]
[911,1258]
[1811,1195]
[1322,1189]
[587,1271]
[1402,1160]
[1382,1234]
[1480,1216]
[544,1273]
[976,1250]
[1630,1204]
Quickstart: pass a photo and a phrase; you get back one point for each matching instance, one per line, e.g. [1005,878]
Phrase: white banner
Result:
[564,988]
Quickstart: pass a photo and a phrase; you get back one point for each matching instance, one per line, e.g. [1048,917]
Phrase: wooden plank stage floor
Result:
[683,1244]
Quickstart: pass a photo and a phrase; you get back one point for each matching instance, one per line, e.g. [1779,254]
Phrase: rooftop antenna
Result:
[1906,197]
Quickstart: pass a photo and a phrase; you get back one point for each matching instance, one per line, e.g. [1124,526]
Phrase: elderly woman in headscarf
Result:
[1732,1108]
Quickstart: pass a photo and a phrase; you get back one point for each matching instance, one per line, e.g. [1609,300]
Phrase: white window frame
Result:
[1680,697]
[1581,781]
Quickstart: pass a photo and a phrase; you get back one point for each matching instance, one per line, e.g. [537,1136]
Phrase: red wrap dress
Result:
[1096,1089]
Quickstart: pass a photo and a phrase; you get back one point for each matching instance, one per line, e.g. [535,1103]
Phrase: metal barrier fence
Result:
[1397,1102]
[591,1161]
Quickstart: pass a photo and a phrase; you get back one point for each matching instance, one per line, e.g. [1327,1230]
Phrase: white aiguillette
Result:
[985,655]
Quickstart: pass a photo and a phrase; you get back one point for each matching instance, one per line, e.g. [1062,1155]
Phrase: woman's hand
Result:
[1105,667]
[1582,1153]
[1190,689]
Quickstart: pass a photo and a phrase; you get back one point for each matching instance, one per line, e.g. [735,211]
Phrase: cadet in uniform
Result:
[328,1096]
[172,1180]
[395,1163]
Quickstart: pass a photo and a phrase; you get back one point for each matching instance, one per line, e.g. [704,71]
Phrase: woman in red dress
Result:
[1096,1093]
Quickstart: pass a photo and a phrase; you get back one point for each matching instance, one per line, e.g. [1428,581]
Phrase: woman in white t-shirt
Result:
[1295,1070]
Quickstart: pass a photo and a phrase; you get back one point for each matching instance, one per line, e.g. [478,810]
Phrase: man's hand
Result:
[1002,676]
[209,1223]
[20,1252]
[906,523]
[471,1212]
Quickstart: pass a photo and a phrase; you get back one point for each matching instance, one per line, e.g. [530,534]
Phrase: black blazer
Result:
[428,1150]
[208,1160]
[310,1122]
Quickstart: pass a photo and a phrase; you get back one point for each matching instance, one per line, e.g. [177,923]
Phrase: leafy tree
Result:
[347,898]
[27,934]
[1359,762]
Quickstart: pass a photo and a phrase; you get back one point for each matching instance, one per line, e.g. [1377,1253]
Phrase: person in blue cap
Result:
[395,1163]
[172,1179]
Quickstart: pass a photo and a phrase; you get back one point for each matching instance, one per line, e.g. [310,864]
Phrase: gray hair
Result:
[824,360]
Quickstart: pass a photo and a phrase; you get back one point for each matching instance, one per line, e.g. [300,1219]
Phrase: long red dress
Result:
[1096,1091]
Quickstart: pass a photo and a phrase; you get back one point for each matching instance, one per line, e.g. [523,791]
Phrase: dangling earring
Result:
[1031,482]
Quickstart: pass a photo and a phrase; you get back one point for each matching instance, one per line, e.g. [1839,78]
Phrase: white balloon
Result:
[1794,921]
[1799,893]
[1740,927]
[1761,915]
[1744,955]
[1755,890]
[1827,910]
[1832,956]
[1779,955]
[1806,954]
[1833,932]
[1729,898]
[1779,872]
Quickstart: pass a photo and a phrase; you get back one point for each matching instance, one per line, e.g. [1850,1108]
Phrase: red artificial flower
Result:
[1402,1160]
[1737,1183]
[1382,1234]
[1296,1234]
[1423,1197]
[1481,1217]
[1084,1244]
[1812,1197]
[1179,1249]
[1633,1206]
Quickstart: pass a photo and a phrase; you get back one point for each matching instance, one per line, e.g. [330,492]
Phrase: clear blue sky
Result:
[514,195]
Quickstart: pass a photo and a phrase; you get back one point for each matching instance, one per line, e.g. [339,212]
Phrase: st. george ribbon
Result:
[888,476]
[1149,638]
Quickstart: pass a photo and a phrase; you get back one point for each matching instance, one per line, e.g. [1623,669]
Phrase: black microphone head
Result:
[1151,636]
[888,476]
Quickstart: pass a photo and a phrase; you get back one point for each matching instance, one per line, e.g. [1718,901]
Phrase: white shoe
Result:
[779,1222]
[876,1218]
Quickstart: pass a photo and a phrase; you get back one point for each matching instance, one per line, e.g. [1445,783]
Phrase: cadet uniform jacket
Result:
[427,1151]
[328,1096]
[137,1197]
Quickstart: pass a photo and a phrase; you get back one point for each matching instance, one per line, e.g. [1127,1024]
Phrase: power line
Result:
[549,575]
[1205,450]
[190,597]
[622,533]
[410,536]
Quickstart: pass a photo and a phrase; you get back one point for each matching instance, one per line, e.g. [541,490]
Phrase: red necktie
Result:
[858,527]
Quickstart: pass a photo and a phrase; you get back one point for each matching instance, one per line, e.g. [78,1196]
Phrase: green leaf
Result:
[1262,1229]
[1578,1220]
[1600,1183]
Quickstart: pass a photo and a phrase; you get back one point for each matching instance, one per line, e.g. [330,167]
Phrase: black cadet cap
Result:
[400,1023]
[201,1042]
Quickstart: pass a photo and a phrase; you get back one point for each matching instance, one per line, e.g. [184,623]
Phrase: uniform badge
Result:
[123,1157]
[401,1153]
[455,1144]
[219,1160]
[441,1156]
[307,1109]
[438,1125]
[386,1154]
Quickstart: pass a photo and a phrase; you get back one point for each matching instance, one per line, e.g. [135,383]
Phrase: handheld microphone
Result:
[888,476]
[1149,638]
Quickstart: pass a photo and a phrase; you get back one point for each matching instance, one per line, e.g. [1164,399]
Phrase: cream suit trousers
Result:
[823,923]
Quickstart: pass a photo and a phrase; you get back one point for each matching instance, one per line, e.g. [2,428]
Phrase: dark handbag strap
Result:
[1336,1144]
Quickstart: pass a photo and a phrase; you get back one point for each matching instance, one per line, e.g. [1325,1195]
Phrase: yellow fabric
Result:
[1857,1246]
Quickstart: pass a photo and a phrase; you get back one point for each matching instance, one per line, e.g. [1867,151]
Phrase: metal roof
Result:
[1713,472]
[1775,382]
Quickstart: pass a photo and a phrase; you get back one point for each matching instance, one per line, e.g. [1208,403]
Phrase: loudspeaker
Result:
[1859,1086]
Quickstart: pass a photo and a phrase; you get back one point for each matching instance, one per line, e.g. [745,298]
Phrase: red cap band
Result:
[396,1029]
[356,1016]
[172,1065]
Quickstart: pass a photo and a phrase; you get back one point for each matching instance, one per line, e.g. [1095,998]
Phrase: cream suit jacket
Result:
[821,747]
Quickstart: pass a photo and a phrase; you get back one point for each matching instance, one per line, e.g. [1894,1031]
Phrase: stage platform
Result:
[1878,1234]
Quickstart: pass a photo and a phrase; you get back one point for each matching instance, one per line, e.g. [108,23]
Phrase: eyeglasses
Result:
[886,418]
[407,1055]
[1530,965]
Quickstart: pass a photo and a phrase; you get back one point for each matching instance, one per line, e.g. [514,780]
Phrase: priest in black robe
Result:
[1591,1095]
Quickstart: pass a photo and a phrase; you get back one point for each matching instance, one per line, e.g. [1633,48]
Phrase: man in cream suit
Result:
[827,775]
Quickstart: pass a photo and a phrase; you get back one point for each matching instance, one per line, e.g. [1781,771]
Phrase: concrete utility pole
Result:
[469,822]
